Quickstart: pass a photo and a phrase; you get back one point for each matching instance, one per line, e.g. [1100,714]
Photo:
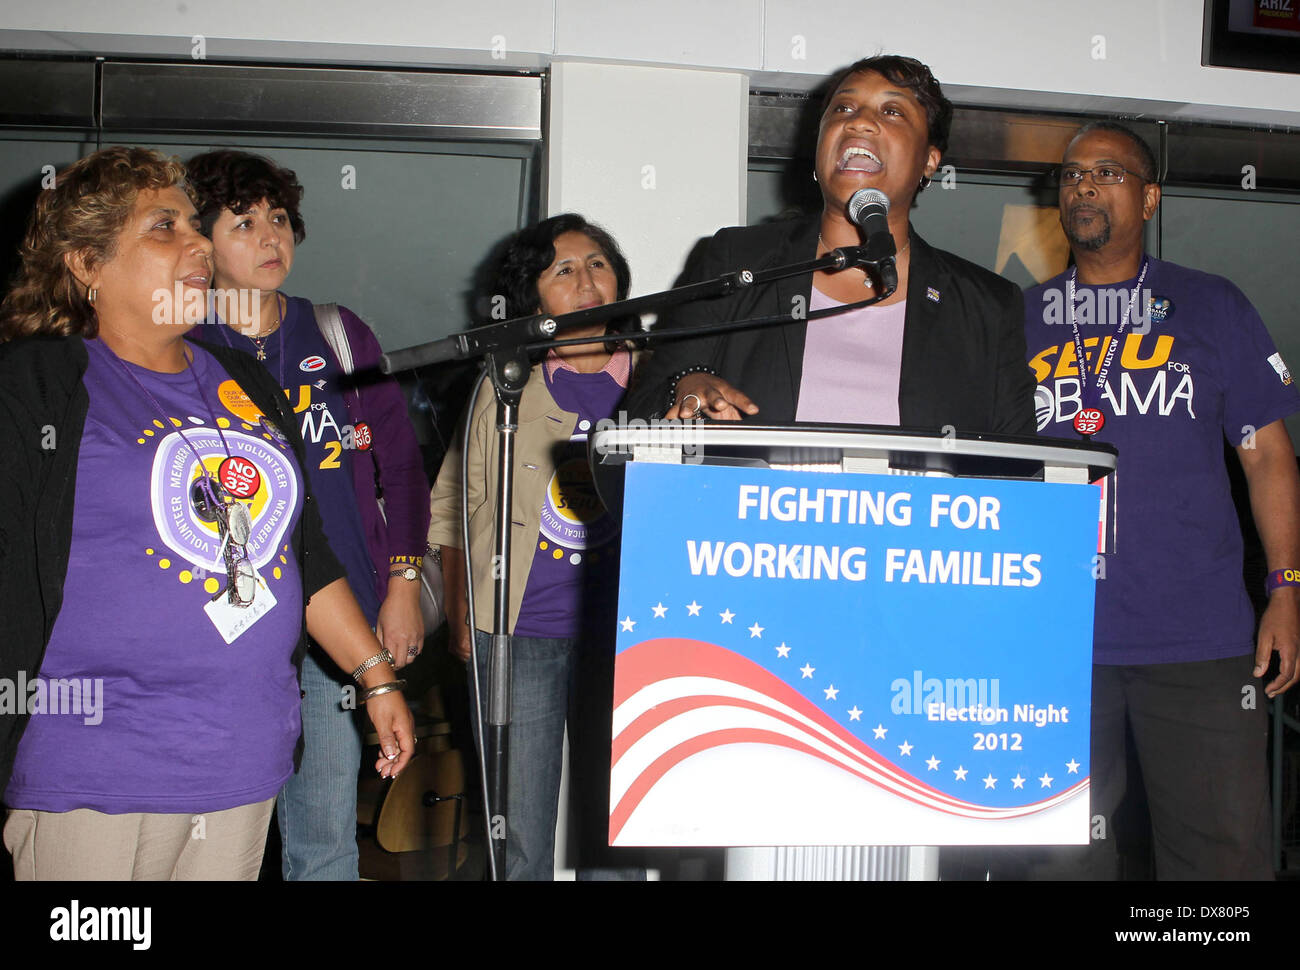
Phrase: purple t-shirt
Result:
[153,711]
[1173,589]
[851,364]
[575,560]
[298,358]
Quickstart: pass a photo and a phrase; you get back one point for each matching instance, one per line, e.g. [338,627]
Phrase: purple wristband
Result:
[1281,577]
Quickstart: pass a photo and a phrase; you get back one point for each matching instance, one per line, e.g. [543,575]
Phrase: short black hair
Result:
[530,251]
[1150,169]
[235,180]
[909,73]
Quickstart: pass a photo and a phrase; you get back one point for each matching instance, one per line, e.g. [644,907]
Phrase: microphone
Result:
[868,209]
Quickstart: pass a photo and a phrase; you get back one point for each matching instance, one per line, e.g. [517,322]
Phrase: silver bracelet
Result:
[677,379]
[381,657]
[379,689]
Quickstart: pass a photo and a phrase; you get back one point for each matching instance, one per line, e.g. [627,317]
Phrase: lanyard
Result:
[237,476]
[1090,393]
[159,408]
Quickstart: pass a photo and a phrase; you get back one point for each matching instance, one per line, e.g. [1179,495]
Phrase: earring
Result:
[814,175]
[925,182]
[92,295]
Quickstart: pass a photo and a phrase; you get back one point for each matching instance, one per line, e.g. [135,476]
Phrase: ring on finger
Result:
[699,404]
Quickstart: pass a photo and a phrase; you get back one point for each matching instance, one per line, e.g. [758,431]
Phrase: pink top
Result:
[851,364]
[619,366]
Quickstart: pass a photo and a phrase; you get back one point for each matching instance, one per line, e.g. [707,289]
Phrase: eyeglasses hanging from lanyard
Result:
[212,503]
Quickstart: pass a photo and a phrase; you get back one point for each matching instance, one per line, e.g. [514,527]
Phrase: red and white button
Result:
[362,437]
[239,477]
[1089,421]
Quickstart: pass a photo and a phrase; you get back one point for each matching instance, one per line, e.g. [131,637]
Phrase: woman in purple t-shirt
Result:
[158,546]
[355,432]
[564,569]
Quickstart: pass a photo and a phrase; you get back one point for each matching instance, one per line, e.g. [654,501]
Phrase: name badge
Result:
[233,621]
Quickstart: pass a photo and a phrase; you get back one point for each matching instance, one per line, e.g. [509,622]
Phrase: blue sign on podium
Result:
[818,658]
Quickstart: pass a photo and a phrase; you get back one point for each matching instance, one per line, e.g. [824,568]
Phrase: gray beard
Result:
[1096,242]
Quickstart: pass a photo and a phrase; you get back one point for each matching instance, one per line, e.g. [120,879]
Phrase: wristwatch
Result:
[409,572]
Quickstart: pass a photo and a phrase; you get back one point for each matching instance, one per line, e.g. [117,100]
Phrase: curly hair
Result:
[911,74]
[234,180]
[83,212]
[530,251]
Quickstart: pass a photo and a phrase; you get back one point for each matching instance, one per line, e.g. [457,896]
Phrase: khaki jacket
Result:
[543,429]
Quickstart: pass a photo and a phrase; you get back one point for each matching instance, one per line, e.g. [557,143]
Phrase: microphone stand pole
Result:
[508,370]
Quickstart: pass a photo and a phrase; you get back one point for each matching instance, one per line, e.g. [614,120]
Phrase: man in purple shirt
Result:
[1165,362]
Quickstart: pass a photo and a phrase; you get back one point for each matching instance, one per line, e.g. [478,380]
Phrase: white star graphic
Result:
[659,611]
[1017,782]
[832,692]
[905,749]
[960,772]
[627,623]
[854,713]
[807,670]
[1072,766]
[727,616]
[879,731]
[1045,781]
[989,781]
[783,651]
[755,631]
[932,763]
[692,608]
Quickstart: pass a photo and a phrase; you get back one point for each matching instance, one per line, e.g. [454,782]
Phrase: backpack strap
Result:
[330,323]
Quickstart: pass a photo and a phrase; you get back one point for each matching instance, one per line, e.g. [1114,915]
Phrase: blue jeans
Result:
[317,808]
[554,680]
[542,671]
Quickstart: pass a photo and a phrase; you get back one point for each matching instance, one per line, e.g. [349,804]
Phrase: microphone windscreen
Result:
[865,203]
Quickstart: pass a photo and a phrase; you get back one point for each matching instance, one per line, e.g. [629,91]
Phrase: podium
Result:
[840,647]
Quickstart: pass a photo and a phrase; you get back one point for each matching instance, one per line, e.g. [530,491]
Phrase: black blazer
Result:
[963,338]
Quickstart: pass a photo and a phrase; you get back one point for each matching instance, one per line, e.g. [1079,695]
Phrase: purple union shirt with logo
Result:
[575,563]
[188,723]
[310,377]
[1207,371]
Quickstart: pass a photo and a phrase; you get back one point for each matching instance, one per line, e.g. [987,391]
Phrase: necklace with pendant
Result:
[260,342]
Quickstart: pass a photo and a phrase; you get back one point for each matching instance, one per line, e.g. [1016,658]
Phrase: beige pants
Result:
[88,845]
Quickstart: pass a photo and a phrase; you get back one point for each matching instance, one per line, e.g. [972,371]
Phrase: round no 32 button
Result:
[1089,421]
[239,477]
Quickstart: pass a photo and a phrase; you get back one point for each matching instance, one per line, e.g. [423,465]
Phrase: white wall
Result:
[1034,53]
[610,158]
[1094,55]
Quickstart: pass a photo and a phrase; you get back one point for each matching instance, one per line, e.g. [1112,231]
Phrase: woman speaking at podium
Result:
[945,349]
